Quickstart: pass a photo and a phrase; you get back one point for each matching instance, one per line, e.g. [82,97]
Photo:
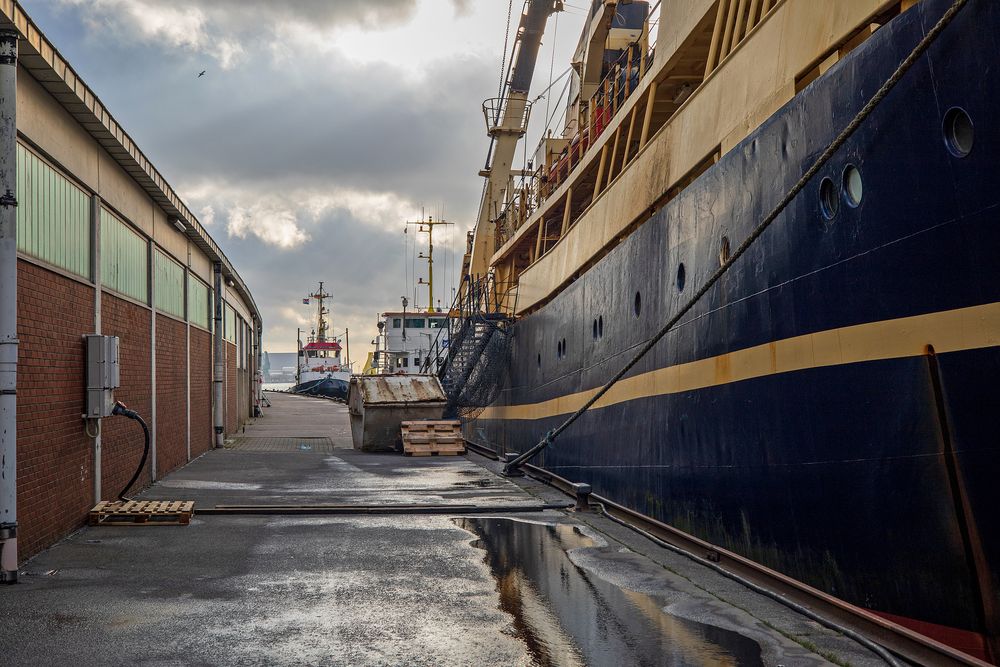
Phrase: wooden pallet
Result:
[431,450]
[432,426]
[433,437]
[142,513]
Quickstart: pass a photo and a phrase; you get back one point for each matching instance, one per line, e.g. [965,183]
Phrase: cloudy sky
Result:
[319,128]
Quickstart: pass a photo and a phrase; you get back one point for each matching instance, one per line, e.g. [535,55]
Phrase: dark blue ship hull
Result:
[865,461]
[326,387]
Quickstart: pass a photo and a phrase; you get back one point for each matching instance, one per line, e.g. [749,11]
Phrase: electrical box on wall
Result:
[103,375]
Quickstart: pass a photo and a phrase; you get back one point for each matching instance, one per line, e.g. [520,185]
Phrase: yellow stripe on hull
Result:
[947,331]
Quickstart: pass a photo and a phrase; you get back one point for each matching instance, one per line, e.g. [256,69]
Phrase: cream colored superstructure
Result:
[721,67]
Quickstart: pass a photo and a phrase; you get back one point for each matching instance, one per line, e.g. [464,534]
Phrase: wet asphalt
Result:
[545,588]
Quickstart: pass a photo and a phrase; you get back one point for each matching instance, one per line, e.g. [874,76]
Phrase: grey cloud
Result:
[317,13]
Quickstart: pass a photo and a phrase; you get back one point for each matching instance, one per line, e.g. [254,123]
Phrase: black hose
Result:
[120,409]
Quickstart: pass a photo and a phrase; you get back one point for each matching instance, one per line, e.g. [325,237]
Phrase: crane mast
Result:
[507,122]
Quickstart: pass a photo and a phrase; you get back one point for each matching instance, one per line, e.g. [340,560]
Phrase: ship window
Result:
[595,329]
[724,250]
[436,323]
[681,277]
[958,132]
[600,326]
[406,362]
[397,322]
[828,201]
[415,322]
[853,187]
[637,304]
[564,347]
[539,359]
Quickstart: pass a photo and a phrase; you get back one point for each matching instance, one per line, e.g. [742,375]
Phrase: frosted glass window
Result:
[53,216]
[124,258]
[169,285]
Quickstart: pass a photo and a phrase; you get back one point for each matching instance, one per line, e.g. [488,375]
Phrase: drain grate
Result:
[287,445]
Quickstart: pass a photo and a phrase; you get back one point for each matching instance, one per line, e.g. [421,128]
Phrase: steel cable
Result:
[839,141]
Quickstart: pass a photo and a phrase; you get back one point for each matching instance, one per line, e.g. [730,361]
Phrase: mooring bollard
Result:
[511,472]
[582,497]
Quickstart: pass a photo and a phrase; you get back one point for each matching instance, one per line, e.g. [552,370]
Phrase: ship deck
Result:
[538,587]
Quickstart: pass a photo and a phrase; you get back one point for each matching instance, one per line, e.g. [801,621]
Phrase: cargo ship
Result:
[828,405]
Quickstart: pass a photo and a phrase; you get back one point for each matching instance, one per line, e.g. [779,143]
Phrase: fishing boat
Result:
[766,242]
[321,371]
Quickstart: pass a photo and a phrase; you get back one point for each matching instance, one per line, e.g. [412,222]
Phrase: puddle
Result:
[568,616]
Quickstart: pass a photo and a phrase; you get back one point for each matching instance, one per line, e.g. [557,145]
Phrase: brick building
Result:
[104,245]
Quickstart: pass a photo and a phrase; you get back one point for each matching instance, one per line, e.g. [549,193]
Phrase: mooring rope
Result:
[845,134]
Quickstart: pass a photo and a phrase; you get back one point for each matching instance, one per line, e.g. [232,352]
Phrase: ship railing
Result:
[495,112]
[618,85]
[518,208]
[482,297]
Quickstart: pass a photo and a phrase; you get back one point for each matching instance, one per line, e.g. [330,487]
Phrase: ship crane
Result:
[506,123]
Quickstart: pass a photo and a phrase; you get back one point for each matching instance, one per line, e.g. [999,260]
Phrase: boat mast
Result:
[320,295]
[430,224]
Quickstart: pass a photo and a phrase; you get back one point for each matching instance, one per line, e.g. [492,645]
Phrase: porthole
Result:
[681,277]
[637,304]
[595,329]
[829,203]
[724,250]
[853,187]
[958,132]
[600,326]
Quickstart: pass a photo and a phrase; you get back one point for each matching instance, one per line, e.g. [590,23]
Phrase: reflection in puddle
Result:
[568,616]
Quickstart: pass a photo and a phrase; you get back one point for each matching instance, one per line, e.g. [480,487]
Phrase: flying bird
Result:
[202,73]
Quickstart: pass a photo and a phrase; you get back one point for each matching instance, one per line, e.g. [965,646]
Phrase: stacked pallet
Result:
[433,437]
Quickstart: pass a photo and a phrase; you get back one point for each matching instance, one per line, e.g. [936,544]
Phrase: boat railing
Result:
[617,86]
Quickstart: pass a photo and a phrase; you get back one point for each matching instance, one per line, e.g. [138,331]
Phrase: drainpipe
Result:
[8,306]
[95,253]
[220,358]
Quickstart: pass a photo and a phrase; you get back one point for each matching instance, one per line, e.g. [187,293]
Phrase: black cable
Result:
[120,409]
[841,139]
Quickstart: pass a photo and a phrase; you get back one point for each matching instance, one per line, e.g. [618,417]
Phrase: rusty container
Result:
[380,403]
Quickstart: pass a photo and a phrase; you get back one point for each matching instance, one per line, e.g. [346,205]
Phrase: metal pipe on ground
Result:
[863,626]
[293,510]
[8,306]
[220,360]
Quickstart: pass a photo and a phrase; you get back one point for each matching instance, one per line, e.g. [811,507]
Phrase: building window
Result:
[53,216]
[124,258]
[169,284]
[198,302]
[229,322]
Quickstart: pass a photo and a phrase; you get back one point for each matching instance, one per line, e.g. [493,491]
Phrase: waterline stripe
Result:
[947,331]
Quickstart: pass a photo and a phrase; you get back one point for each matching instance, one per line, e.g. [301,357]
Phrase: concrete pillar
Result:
[220,360]
[8,306]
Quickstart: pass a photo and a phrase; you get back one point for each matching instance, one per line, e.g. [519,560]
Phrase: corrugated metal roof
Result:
[382,389]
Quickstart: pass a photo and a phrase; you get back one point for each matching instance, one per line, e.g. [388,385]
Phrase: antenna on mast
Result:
[427,227]
[321,312]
